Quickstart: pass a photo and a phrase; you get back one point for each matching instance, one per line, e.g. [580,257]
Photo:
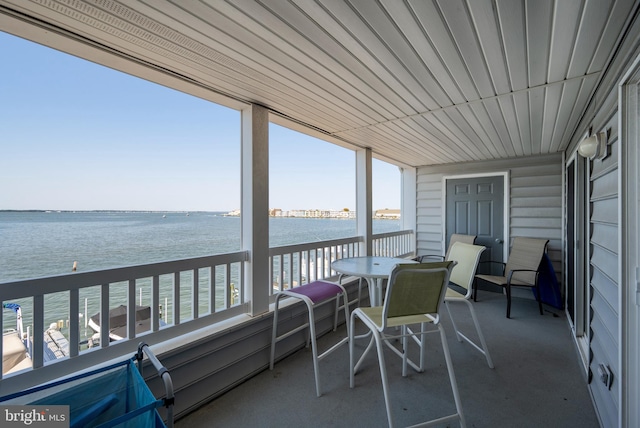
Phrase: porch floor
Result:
[538,380]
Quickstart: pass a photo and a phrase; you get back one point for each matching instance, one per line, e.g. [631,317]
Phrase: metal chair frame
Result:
[314,294]
[463,275]
[394,314]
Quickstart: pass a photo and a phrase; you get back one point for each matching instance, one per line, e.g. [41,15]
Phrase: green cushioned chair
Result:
[414,295]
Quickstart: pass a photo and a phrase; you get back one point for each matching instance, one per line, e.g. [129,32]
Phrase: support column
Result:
[255,207]
[408,200]
[364,212]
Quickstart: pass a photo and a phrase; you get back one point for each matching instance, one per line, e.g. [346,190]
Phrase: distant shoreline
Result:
[107,211]
[327,214]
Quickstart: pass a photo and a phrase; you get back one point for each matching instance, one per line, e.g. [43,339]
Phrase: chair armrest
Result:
[495,261]
[428,256]
[511,272]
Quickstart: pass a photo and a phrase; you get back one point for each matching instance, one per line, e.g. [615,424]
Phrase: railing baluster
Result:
[195,290]
[227,284]
[131,301]
[241,285]
[278,279]
[74,322]
[177,282]
[155,304]
[104,315]
[38,331]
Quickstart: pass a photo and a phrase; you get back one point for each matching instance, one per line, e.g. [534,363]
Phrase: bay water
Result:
[37,244]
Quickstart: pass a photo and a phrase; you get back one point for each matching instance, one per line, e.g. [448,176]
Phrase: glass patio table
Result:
[373,269]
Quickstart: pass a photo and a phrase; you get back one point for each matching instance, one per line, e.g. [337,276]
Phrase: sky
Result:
[75,135]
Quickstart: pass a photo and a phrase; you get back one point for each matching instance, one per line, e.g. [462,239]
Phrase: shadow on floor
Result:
[538,381]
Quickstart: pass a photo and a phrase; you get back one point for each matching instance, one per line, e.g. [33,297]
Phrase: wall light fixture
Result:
[595,146]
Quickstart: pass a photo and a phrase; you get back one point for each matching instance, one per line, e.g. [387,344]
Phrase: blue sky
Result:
[79,136]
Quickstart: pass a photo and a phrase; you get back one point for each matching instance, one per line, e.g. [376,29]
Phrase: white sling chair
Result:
[462,276]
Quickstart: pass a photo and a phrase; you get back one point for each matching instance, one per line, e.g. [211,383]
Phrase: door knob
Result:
[499,241]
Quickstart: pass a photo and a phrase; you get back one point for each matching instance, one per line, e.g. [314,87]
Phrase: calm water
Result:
[40,244]
[36,244]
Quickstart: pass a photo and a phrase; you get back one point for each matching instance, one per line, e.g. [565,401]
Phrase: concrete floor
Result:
[537,381]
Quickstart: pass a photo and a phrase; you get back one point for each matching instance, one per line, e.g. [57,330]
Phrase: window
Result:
[312,189]
[123,166]
[100,169]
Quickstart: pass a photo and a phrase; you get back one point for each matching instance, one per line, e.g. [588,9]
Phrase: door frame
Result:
[629,243]
[505,205]
[581,233]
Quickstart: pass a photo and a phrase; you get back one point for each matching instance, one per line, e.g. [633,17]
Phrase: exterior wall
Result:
[606,197]
[535,201]
[604,281]
[207,363]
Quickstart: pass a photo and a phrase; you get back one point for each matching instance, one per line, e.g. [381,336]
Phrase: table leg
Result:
[379,287]
[372,283]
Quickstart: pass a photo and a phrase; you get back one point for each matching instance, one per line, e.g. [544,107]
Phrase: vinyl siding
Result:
[604,258]
[535,204]
[603,278]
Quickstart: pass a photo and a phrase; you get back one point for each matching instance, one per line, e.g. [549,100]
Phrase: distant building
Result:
[387,214]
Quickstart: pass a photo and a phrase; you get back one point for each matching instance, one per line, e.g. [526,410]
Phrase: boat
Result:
[118,322]
[17,345]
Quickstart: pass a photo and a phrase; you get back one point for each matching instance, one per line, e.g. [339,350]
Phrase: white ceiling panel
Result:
[420,82]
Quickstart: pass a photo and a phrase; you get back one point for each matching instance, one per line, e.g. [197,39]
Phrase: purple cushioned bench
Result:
[317,291]
[313,294]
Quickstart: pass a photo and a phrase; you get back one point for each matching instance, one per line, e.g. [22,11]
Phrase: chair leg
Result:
[508,290]
[383,375]
[405,349]
[353,368]
[480,335]
[452,376]
[423,346]
[314,349]
[336,312]
[474,288]
[310,328]
[274,333]
[539,299]
[453,322]
[352,325]
[484,349]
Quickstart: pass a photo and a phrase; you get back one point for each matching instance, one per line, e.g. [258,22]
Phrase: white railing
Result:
[182,295]
[293,265]
[175,291]
[394,244]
